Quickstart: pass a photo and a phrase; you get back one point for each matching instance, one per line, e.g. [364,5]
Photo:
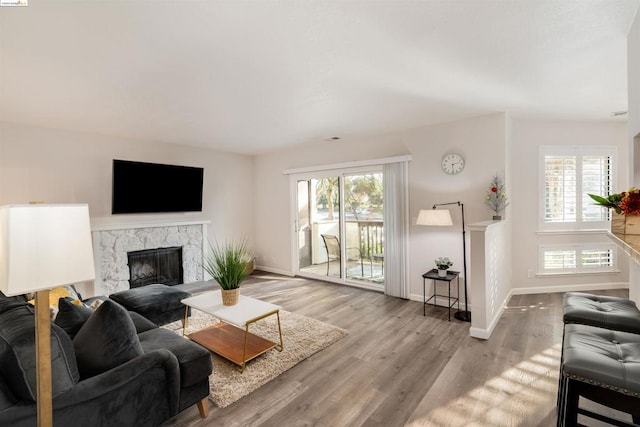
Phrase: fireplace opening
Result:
[161,265]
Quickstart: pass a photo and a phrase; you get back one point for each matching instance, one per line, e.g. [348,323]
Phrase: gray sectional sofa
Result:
[110,367]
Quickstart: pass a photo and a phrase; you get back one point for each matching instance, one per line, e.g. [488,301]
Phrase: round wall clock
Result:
[452,163]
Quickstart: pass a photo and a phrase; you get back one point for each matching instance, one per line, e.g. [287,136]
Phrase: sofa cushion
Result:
[7,399]
[142,323]
[7,303]
[106,340]
[71,316]
[195,360]
[17,352]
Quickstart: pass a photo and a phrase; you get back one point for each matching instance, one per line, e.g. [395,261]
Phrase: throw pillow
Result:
[18,354]
[67,292]
[106,340]
[71,316]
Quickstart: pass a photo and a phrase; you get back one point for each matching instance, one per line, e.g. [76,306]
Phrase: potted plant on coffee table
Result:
[227,264]
[443,264]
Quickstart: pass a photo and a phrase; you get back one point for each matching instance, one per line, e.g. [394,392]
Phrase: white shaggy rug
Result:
[302,337]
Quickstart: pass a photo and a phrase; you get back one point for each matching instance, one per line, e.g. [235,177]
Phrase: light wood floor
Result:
[398,368]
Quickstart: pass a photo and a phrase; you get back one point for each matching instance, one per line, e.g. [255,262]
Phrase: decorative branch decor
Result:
[496,197]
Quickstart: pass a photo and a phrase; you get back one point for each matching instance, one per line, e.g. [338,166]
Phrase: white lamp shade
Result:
[434,217]
[44,246]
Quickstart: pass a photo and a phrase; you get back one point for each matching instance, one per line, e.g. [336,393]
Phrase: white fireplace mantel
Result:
[109,223]
[113,238]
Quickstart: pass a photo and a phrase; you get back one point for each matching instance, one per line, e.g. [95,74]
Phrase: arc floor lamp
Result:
[442,217]
[43,247]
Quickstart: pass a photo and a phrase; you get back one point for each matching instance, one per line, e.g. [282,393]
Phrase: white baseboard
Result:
[274,270]
[569,288]
[486,333]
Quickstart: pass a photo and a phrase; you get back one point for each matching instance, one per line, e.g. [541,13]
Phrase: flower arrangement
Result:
[496,197]
[443,263]
[627,202]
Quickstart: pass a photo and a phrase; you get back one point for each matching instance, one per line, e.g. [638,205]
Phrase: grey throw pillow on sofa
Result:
[71,316]
[106,340]
[18,354]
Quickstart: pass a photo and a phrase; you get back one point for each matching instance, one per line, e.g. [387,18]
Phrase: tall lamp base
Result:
[465,316]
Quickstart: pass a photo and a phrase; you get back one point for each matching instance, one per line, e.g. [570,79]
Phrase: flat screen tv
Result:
[140,187]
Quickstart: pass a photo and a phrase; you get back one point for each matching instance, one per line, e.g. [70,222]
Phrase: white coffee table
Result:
[231,338]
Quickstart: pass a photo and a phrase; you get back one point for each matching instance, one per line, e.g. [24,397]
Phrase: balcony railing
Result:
[371,238]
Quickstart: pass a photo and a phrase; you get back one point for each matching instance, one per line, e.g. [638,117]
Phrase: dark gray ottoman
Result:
[600,365]
[616,313]
[158,303]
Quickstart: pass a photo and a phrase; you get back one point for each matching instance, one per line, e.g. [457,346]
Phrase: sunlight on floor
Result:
[518,395]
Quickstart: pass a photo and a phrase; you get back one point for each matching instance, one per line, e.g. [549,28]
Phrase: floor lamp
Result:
[43,247]
[436,217]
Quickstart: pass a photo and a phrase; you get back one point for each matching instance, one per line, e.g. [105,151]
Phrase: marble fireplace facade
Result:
[112,243]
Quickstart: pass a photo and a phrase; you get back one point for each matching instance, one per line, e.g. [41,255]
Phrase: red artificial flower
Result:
[630,203]
[494,189]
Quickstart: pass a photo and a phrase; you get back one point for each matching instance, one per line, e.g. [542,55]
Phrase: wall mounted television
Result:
[140,187]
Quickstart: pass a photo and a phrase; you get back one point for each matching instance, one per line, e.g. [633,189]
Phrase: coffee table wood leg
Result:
[281,346]
[185,322]
[244,352]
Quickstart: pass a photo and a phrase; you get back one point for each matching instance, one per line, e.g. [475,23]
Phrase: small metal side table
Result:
[433,275]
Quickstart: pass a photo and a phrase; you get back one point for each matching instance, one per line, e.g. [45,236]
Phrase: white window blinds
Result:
[568,176]
[578,258]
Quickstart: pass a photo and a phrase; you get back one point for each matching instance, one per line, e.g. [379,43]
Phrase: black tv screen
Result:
[154,188]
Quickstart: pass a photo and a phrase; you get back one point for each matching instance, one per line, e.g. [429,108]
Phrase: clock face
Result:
[452,163]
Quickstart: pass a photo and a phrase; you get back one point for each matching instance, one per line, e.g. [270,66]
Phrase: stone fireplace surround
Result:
[112,240]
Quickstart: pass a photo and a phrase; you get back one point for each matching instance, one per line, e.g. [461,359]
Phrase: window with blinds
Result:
[568,176]
[582,258]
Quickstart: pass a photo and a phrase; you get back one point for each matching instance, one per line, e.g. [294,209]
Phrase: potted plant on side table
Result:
[443,264]
[227,265]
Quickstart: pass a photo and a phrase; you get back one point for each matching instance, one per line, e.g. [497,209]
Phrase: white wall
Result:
[527,137]
[53,166]
[481,140]
[633,88]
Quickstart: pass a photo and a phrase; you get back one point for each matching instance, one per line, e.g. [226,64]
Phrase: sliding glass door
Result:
[339,227]
[364,224]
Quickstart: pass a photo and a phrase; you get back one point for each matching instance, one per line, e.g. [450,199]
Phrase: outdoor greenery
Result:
[363,195]
[227,263]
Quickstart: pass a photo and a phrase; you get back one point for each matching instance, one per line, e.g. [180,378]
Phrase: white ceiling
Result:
[255,76]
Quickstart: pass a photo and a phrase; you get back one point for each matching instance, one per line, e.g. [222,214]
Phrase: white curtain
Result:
[396,229]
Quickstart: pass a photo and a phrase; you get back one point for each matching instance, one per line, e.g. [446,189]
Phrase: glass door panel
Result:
[303,228]
[318,226]
[364,233]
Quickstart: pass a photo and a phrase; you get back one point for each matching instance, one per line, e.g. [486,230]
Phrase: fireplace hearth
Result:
[161,265]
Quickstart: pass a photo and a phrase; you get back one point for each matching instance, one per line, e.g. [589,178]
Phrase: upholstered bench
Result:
[158,303]
[602,311]
[600,365]
[619,314]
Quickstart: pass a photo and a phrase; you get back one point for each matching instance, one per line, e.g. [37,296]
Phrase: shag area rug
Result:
[302,337]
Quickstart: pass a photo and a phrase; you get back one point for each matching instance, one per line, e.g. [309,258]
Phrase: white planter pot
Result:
[442,273]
